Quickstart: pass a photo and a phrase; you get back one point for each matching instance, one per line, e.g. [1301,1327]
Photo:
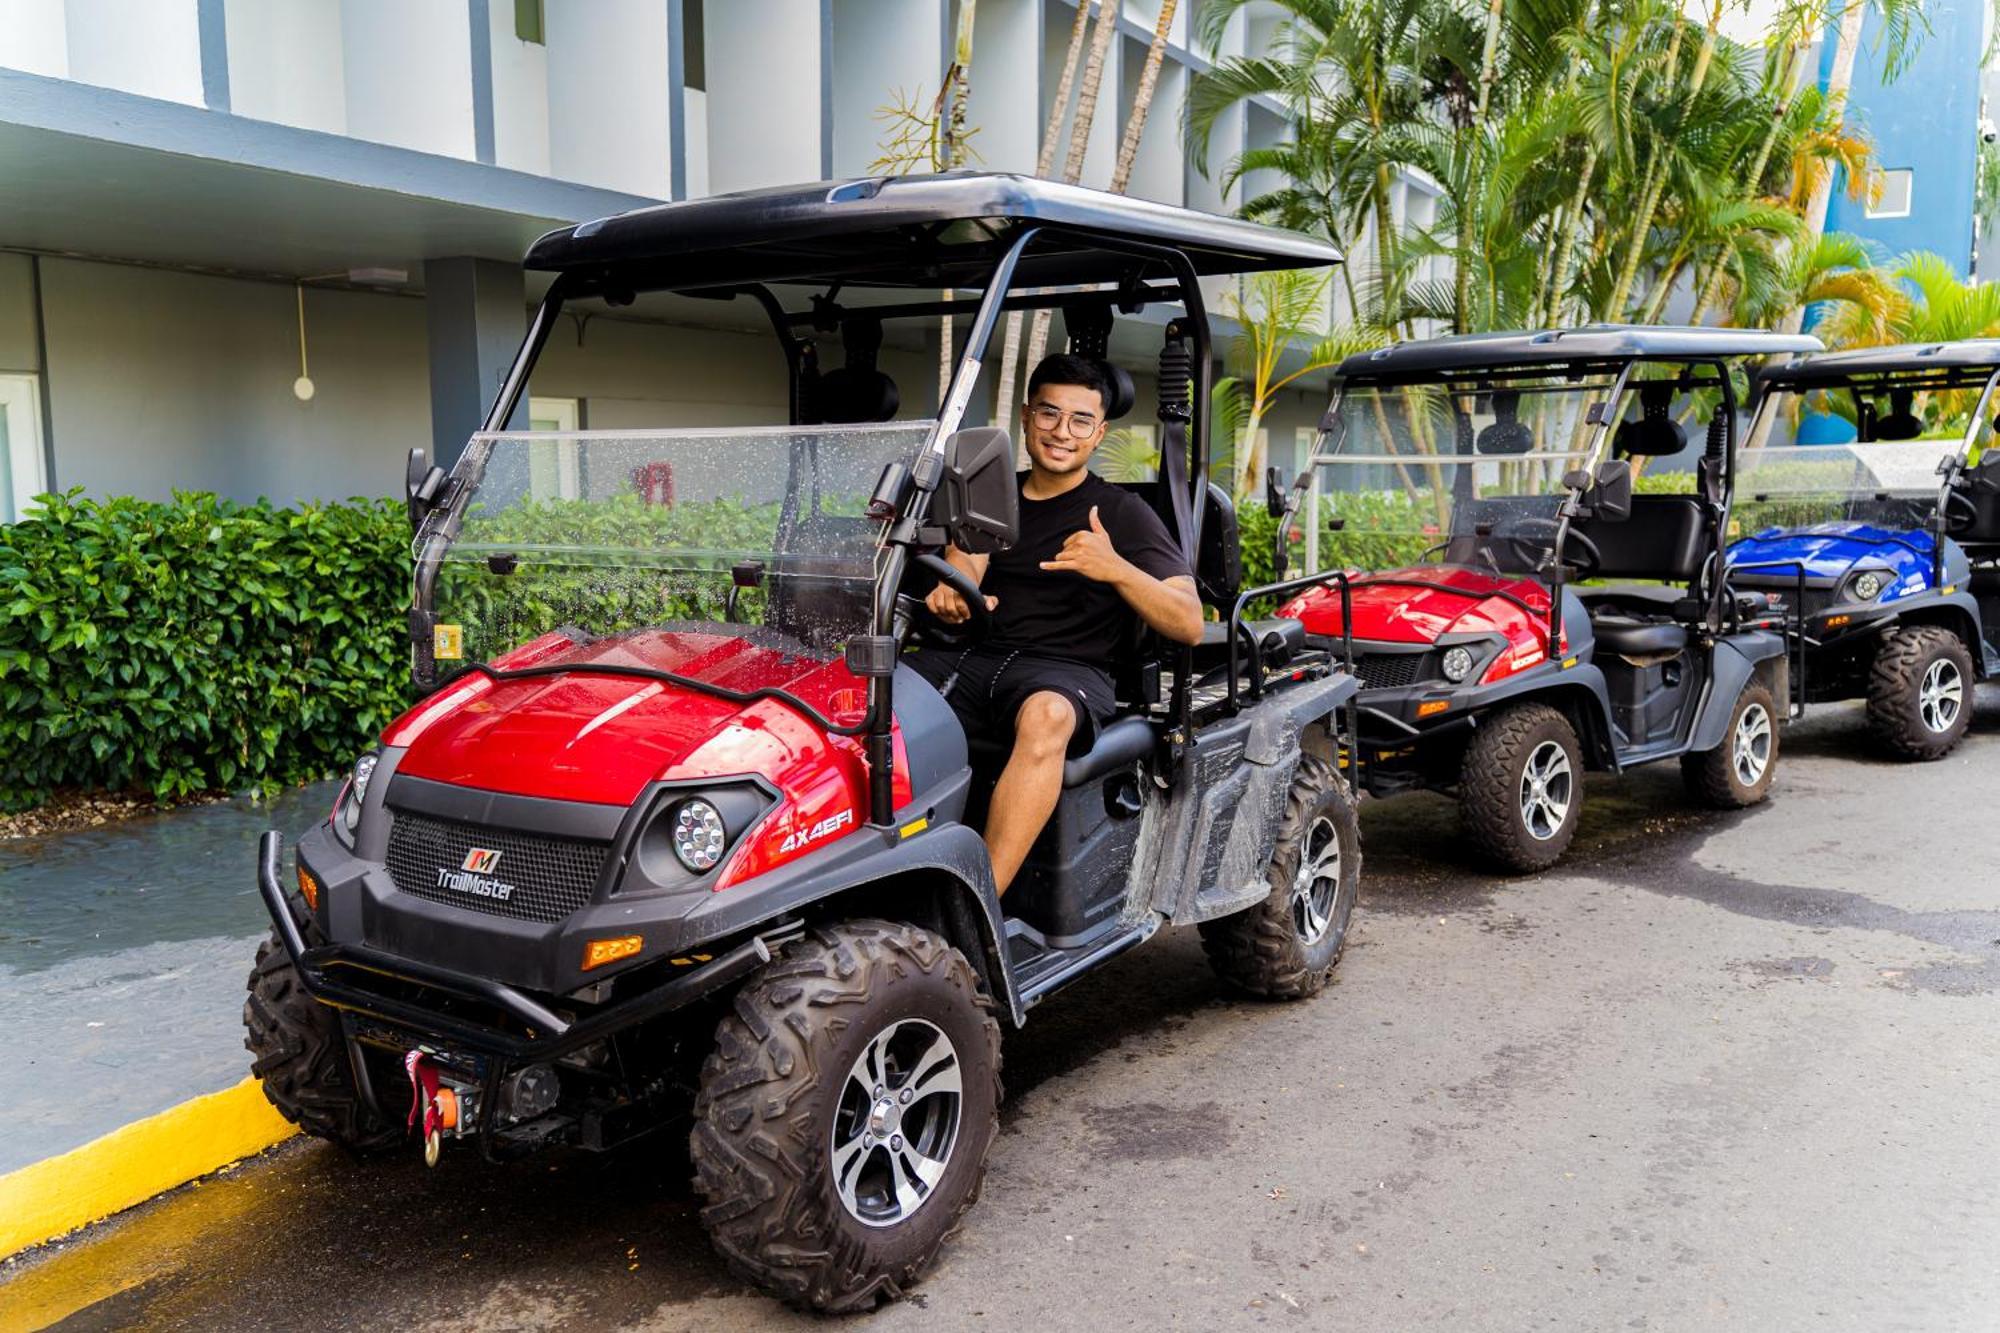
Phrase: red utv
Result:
[671,836]
[1532,616]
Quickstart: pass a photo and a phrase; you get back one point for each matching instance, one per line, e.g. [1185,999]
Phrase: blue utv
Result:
[1882,552]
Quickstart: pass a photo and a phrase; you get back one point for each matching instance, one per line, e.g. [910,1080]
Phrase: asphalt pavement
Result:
[1729,1072]
[123,951]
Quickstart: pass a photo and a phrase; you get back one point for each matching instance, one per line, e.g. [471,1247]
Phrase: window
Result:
[694,62]
[529,25]
[21,477]
[1893,201]
[554,466]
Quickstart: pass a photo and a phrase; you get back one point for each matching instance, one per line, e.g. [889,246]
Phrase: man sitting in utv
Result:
[1090,557]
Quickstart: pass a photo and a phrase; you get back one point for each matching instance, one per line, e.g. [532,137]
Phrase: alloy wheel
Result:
[1941,695]
[1751,750]
[896,1123]
[1316,886]
[1547,787]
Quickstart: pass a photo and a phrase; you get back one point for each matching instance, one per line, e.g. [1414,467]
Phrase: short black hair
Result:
[1063,368]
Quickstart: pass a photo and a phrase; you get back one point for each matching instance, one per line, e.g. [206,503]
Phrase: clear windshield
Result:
[1450,474]
[1888,483]
[744,533]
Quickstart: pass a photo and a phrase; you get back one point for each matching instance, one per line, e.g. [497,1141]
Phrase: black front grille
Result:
[1784,595]
[1389,671]
[547,878]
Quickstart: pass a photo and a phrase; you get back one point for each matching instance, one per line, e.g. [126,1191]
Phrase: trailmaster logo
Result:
[474,876]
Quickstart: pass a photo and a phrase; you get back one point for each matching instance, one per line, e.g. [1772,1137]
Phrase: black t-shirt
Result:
[1063,614]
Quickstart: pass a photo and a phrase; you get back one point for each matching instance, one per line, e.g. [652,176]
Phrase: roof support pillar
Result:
[476,310]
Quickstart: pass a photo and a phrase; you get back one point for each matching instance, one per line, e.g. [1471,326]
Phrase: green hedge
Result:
[198,645]
[612,564]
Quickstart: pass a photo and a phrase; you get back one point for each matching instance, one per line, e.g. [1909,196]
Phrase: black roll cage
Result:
[908,531]
[1603,416]
[1879,381]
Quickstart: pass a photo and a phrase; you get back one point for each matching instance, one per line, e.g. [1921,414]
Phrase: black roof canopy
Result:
[1967,361]
[919,232]
[1592,343]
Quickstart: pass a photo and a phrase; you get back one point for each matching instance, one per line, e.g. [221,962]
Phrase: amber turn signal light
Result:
[599,952]
[309,887]
[1431,706]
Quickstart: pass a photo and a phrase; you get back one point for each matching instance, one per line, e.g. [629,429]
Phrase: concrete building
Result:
[263,247]
[1925,123]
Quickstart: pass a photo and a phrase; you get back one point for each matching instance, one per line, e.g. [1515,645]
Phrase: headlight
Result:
[1457,664]
[1867,587]
[364,769]
[698,836]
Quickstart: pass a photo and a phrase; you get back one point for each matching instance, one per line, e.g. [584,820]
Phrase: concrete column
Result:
[610,93]
[476,313]
[766,113]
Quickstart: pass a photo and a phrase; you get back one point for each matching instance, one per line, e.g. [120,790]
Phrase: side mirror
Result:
[1610,494]
[1274,491]
[978,501]
[422,484]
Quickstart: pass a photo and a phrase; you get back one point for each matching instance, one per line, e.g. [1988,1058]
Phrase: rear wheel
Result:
[1919,692]
[1286,947]
[844,1117]
[299,1054]
[1738,772]
[1520,788]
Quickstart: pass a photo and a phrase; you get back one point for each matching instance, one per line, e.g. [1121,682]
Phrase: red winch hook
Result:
[435,1103]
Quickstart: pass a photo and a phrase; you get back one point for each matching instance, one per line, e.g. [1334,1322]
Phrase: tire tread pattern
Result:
[1893,681]
[1258,950]
[755,1150]
[1489,796]
[299,1055]
[1710,775]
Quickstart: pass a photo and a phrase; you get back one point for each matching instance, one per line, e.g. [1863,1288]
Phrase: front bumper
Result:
[466,1012]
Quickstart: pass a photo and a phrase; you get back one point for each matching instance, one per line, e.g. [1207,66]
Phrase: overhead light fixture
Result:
[379,277]
[302,387]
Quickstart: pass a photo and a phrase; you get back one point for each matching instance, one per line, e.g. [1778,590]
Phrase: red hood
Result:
[602,738]
[1391,607]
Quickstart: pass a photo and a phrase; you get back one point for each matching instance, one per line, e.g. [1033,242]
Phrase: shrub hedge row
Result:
[196,645]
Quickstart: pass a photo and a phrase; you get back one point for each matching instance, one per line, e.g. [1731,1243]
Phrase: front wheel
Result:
[1918,692]
[844,1117]
[299,1054]
[1286,947]
[1520,787]
[1738,772]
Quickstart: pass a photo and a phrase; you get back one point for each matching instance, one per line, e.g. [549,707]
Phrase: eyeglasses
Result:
[1047,416]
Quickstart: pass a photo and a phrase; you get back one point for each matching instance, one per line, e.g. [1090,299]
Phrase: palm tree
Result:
[1273,319]
[1860,304]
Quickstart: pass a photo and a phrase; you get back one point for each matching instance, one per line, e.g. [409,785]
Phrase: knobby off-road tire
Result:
[299,1055]
[792,1202]
[1738,772]
[1517,819]
[1920,693]
[1286,947]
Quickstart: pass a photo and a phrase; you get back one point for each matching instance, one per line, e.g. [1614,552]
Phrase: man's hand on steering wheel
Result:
[959,614]
[948,604]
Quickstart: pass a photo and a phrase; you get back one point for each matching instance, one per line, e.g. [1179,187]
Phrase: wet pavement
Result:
[123,951]
[1717,1071]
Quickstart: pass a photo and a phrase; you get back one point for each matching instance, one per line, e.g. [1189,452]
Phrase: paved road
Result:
[121,965]
[1731,1073]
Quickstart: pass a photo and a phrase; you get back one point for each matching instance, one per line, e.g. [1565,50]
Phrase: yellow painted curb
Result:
[132,1164]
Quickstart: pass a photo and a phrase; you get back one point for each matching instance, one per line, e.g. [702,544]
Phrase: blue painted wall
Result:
[1926,121]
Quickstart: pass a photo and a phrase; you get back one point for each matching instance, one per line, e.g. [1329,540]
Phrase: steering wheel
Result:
[967,633]
[1578,544]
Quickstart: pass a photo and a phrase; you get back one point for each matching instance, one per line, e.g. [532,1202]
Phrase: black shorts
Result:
[987,686]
